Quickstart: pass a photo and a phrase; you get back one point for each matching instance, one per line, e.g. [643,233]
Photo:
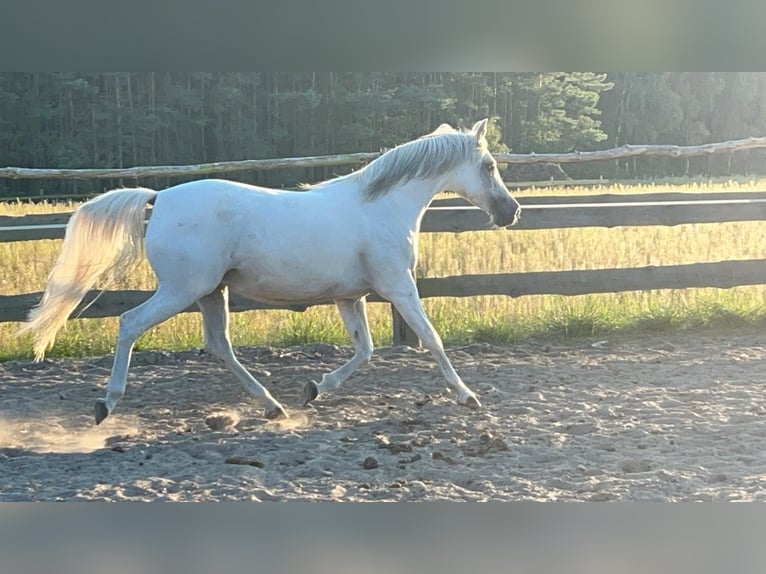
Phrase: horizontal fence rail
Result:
[720,274]
[537,213]
[455,215]
[625,151]
[512,185]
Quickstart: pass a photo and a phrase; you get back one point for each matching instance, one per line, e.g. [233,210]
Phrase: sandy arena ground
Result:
[662,418]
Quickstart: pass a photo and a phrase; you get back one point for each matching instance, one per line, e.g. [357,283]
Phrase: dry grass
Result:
[24,267]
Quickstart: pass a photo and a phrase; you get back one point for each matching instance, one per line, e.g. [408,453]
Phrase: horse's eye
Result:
[490,167]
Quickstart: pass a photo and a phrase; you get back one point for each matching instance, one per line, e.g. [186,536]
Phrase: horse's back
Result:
[254,213]
[200,197]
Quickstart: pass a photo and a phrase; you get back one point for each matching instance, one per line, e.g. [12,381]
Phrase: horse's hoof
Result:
[471,402]
[101,411]
[310,392]
[275,412]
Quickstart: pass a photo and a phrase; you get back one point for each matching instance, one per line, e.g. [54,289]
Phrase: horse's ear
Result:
[480,129]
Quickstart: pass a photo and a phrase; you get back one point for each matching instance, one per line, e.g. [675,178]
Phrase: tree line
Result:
[122,119]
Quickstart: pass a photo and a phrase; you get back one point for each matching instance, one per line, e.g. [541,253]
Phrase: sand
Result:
[678,417]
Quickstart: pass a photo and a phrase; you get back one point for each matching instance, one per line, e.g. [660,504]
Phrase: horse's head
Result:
[478,180]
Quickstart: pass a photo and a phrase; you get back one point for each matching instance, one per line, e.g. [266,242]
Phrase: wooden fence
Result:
[454,215]
[451,215]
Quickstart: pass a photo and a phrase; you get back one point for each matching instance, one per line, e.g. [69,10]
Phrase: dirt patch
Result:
[680,417]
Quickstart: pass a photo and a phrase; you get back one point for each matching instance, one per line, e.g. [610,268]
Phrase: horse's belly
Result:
[306,288]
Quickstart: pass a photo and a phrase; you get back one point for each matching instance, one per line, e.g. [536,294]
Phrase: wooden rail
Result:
[457,216]
[214,168]
[512,185]
[721,274]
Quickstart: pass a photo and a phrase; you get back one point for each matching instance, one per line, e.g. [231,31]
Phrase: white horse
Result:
[339,240]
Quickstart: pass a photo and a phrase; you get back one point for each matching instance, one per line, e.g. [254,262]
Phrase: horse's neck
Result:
[410,200]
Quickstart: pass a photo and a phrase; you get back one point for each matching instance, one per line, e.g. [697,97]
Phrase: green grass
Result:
[500,320]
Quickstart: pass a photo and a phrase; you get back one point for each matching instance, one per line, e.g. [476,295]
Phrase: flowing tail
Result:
[104,236]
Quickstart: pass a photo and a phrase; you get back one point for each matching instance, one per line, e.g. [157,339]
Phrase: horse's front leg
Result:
[354,315]
[404,296]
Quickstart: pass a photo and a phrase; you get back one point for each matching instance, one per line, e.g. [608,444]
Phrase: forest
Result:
[123,119]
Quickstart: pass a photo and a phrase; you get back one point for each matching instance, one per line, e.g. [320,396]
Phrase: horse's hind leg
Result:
[354,315]
[162,305]
[215,319]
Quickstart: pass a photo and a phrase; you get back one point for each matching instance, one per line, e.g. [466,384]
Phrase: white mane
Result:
[422,158]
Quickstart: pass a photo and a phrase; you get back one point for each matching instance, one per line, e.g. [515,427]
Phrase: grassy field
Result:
[25,265]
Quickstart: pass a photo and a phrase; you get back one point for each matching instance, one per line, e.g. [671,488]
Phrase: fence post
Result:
[403,334]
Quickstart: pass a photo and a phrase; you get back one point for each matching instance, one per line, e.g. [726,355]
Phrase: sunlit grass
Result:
[25,265]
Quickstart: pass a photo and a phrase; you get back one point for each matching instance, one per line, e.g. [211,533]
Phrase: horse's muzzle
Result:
[506,216]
